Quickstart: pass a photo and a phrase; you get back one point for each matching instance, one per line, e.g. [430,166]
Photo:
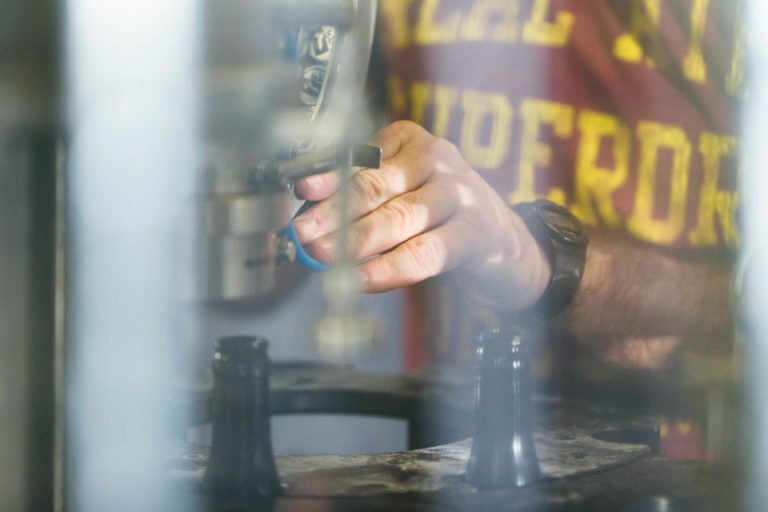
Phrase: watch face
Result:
[563,222]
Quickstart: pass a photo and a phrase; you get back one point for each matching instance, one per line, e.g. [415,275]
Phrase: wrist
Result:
[515,274]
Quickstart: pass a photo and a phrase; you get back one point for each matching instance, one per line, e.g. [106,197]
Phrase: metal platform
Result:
[592,457]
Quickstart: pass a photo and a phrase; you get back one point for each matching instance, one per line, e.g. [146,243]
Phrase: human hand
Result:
[425,211]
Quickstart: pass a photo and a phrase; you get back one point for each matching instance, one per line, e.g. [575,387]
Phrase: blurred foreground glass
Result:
[755,243]
[132,95]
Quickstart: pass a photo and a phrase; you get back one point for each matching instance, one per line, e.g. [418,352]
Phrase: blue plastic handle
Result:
[303,256]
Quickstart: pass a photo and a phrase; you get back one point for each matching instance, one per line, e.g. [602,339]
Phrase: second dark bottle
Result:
[503,453]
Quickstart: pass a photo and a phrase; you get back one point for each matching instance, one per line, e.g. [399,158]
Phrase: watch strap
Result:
[564,248]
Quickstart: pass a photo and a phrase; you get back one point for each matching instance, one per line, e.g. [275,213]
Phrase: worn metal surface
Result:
[645,485]
[572,439]
[564,443]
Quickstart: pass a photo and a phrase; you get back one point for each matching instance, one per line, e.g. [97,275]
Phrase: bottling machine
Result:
[148,151]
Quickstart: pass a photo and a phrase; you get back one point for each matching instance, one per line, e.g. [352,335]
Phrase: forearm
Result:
[637,304]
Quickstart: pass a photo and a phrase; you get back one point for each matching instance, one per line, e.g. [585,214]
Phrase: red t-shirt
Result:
[623,110]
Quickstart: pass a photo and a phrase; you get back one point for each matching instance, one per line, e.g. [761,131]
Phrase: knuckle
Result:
[399,215]
[369,187]
[359,239]
[426,255]
[404,126]
[439,146]
[442,156]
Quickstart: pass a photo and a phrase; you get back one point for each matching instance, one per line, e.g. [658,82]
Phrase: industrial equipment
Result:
[147,152]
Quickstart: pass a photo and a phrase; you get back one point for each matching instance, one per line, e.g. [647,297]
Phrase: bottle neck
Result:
[503,399]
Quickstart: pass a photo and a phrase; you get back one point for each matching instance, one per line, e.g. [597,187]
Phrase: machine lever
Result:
[318,161]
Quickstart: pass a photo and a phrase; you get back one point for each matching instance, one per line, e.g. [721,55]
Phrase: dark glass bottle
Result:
[503,454]
[241,470]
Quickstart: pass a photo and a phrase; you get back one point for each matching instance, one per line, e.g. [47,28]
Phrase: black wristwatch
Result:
[562,238]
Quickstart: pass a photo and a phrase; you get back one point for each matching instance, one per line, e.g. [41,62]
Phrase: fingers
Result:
[410,164]
[402,219]
[424,212]
[317,187]
[394,222]
[421,257]
[391,139]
